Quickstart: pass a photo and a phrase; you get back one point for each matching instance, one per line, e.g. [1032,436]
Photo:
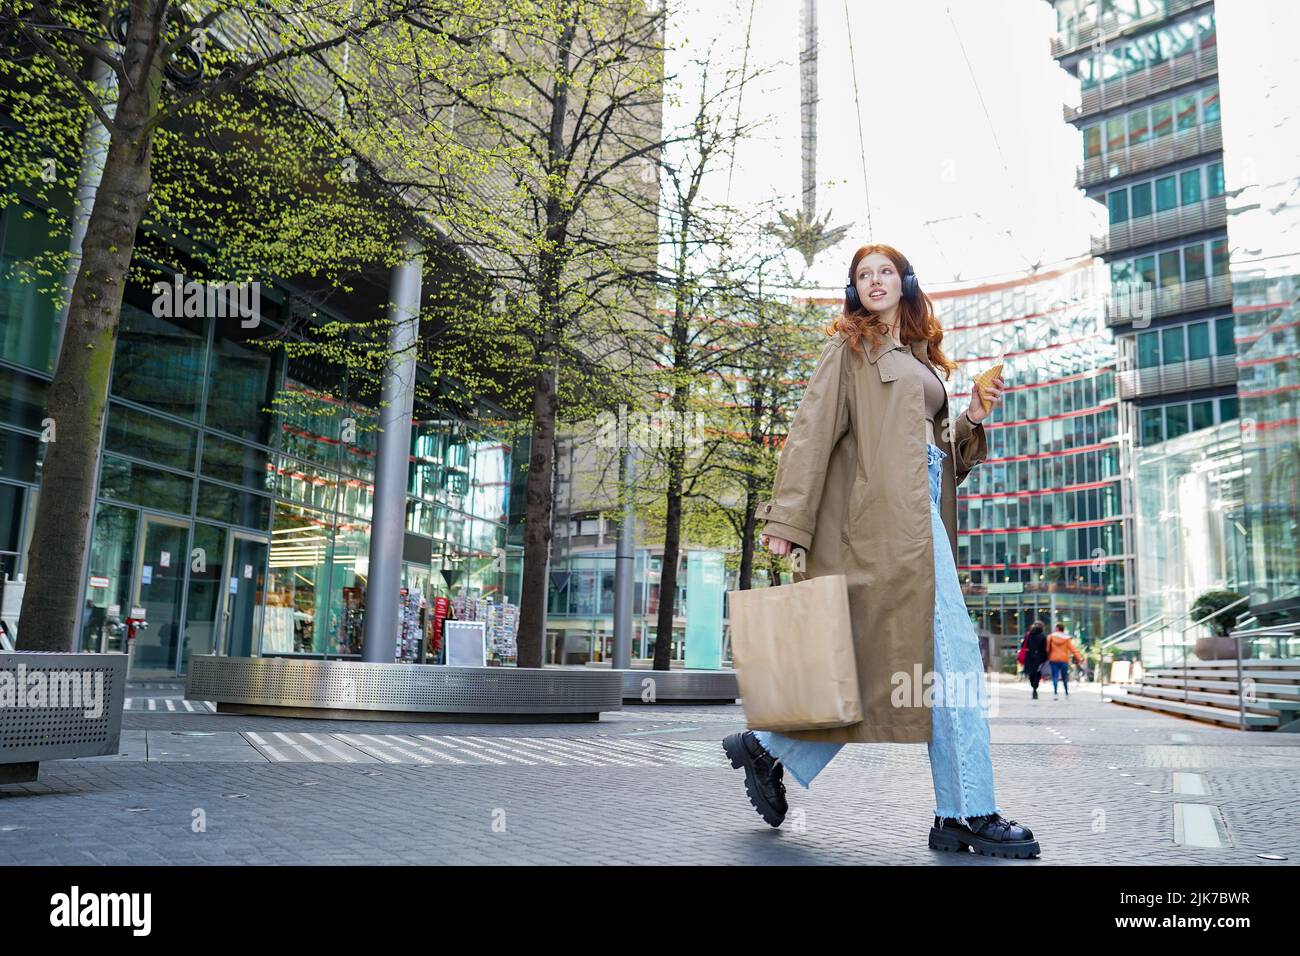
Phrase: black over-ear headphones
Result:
[911,289]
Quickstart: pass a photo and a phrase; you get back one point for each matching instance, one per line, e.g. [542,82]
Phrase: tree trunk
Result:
[751,497]
[747,541]
[668,568]
[537,524]
[541,462]
[673,519]
[50,615]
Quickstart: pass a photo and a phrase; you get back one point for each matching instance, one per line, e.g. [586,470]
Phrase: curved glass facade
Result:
[1042,520]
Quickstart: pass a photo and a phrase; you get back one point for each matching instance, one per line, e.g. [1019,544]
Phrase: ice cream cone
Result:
[984,379]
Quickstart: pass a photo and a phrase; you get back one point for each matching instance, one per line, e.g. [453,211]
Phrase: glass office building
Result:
[1190,141]
[1261,134]
[235,485]
[1044,520]
[1152,141]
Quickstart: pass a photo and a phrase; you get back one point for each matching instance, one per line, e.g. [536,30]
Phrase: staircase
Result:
[1208,691]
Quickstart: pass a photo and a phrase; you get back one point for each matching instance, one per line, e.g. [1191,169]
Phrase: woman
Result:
[866,484]
[1035,654]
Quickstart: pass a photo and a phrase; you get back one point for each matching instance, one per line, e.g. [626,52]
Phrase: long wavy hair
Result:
[916,316]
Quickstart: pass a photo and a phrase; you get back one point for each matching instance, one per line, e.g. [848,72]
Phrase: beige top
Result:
[932,386]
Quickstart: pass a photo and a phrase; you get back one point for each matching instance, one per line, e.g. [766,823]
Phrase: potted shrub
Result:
[1219,646]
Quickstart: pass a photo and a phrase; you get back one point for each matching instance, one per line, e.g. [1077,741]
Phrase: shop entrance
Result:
[241,607]
[160,563]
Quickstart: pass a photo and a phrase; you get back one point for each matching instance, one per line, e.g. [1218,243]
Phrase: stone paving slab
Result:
[308,813]
[1095,781]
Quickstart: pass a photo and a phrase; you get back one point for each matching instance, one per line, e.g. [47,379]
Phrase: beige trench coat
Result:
[852,487]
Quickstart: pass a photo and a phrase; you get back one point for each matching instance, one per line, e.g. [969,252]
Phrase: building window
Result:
[1162,119]
[140,435]
[1227,408]
[1148,349]
[1170,271]
[1146,269]
[1087,72]
[1214,174]
[1194,262]
[1202,415]
[242,382]
[1223,336]
[1182,38]
[29,321]
[122,480]
[1176,420]
[228,506]
[1152,426]
[1191,185]
[1141,198]
[1091,142]
[1166,193]
[1171,345]
[1139,127]
[1219,257]
[1210,105]
[160,363]
[1185,111]
[1206,32]
[1117,203]
[20,457]
[1114,134]
[1198,340]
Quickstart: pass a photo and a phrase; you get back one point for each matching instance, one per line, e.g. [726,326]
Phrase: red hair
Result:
[916,319]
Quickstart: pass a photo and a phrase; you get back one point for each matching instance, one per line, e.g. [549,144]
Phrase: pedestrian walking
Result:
[1060,648]
[866,485]
[1035,648]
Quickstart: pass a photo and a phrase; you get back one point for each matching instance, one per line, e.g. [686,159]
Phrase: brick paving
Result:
[648,784]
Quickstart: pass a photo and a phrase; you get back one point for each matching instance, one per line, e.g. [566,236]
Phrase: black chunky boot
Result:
[763,775]
[990,835]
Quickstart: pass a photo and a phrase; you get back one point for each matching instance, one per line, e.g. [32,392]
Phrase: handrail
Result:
[1136,628]
[1187,691]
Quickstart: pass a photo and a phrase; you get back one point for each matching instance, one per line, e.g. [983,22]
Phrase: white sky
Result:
[939,188]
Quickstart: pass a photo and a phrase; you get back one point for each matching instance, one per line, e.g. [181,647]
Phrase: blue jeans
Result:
[1061,669]
[961,766]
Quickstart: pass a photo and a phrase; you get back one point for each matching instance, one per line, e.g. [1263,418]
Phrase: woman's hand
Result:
[990,396]
[776,545]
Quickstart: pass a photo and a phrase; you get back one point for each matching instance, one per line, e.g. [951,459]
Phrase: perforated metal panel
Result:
[419,688]
[46,731]
[669,686]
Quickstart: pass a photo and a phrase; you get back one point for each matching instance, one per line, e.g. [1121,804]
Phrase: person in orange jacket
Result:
[1060,647]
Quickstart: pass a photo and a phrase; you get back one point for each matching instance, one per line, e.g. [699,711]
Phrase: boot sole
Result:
[740,759]
[946,841]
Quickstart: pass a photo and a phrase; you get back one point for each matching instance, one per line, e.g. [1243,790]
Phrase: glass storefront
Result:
[236,488]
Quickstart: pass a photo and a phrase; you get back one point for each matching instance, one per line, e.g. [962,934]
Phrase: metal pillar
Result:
[625,567]
[392,459]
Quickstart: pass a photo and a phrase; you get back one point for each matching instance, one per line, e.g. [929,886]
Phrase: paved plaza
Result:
[1098,784]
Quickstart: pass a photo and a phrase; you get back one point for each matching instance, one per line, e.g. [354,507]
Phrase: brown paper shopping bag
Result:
[793,650]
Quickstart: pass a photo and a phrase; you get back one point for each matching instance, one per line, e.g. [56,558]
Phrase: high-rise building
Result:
[1198,204]
[1153,157]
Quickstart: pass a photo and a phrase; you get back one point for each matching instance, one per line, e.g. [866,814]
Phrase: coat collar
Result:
[918,348]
